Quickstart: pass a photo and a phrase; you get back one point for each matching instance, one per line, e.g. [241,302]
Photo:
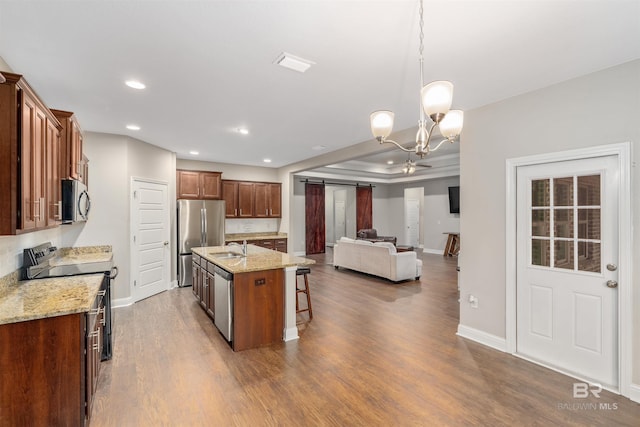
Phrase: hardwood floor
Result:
[375,354]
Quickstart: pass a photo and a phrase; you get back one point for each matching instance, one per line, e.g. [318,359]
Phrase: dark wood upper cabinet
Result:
[211,185]
[230,196]
[28,132]
[248,199]
[268,200]
[72,163]
[199,185]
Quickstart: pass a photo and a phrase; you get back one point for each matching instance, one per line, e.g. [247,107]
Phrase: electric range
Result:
[37,265]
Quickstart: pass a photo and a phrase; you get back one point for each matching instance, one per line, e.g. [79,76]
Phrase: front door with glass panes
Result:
[567,228]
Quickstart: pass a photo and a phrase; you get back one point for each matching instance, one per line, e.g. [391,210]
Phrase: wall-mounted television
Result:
[454,199]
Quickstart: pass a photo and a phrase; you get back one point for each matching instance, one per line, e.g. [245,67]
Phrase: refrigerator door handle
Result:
[204,228]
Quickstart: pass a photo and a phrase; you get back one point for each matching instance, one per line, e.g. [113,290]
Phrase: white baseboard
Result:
[482,337]
[122,302]
[433,251]
[300,253]
[173,284]
[634,392]
[291,334]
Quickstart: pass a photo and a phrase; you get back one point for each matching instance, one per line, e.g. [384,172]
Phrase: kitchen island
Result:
[262,301]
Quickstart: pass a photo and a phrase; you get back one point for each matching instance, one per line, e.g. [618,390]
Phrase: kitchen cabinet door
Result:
[53,194]
[280,245]
[210,302]
[77,140]
[246,199]
[211,185]
[230,196]
[275,200]
[29,209]
[261,194]
[188,184]
[73,163]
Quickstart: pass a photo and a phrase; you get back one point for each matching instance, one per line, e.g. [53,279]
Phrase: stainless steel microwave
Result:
[76,202]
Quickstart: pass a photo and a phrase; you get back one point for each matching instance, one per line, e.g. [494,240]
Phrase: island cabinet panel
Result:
[198,185]
[258,308]
[42,380]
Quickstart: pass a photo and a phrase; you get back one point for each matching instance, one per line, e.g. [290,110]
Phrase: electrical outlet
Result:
[473,300]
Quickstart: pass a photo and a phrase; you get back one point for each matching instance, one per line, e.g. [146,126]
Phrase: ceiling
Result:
[209,65]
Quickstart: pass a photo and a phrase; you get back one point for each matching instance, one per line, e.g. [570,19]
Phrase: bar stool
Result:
[303,271]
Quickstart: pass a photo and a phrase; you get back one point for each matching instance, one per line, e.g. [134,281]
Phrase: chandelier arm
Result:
[396,144]
[439,144]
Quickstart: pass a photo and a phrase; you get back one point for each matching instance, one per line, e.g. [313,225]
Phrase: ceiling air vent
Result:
[293,62]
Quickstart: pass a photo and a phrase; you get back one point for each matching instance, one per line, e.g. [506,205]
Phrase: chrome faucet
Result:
[243,246]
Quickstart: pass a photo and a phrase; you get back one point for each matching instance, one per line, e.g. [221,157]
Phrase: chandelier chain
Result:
[421,48]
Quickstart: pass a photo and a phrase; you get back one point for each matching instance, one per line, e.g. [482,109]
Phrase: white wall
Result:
[435,216]
[237,172]
[113,161]
[597,109]
[11,247]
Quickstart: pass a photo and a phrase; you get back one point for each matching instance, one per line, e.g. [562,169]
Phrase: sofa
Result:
[371,234]
[376,258]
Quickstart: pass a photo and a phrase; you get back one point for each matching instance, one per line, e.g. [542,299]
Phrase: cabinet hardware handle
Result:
[34,216]
[58,214]
[235,212]
[240,211]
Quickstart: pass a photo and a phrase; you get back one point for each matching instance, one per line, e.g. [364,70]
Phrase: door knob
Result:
[166,243]
[612,267]
[612,284]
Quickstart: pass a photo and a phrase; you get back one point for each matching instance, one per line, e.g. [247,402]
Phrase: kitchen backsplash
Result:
[11,247]
[234,226]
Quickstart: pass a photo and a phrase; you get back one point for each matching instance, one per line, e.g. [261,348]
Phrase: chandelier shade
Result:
[451,125]
[436,99]
[381,123]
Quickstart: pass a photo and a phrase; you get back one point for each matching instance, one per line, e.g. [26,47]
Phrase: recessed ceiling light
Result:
[243,131]
[389,162]
[135,84]
[194,153]
[133,127]
[318,147]
[266,160]
[293,62]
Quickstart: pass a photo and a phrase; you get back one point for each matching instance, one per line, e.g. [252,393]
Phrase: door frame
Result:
[625,302]
[133,255]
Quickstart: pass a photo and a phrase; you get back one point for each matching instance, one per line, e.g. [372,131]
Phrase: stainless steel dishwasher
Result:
[223,288]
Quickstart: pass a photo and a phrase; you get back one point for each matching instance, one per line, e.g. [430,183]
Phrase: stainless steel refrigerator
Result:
[200,223]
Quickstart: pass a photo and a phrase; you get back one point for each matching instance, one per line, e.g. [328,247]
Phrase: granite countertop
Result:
[38,299]
[257,259]
[81,258]
[82,255]
[254,236]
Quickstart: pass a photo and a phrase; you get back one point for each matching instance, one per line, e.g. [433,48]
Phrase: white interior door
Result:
[150,238]
[340,219]
[567,250]
[412,222]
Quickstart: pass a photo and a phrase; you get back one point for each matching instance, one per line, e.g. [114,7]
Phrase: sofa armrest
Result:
[403,265]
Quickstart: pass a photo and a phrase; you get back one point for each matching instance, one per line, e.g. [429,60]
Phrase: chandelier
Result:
[435,102]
